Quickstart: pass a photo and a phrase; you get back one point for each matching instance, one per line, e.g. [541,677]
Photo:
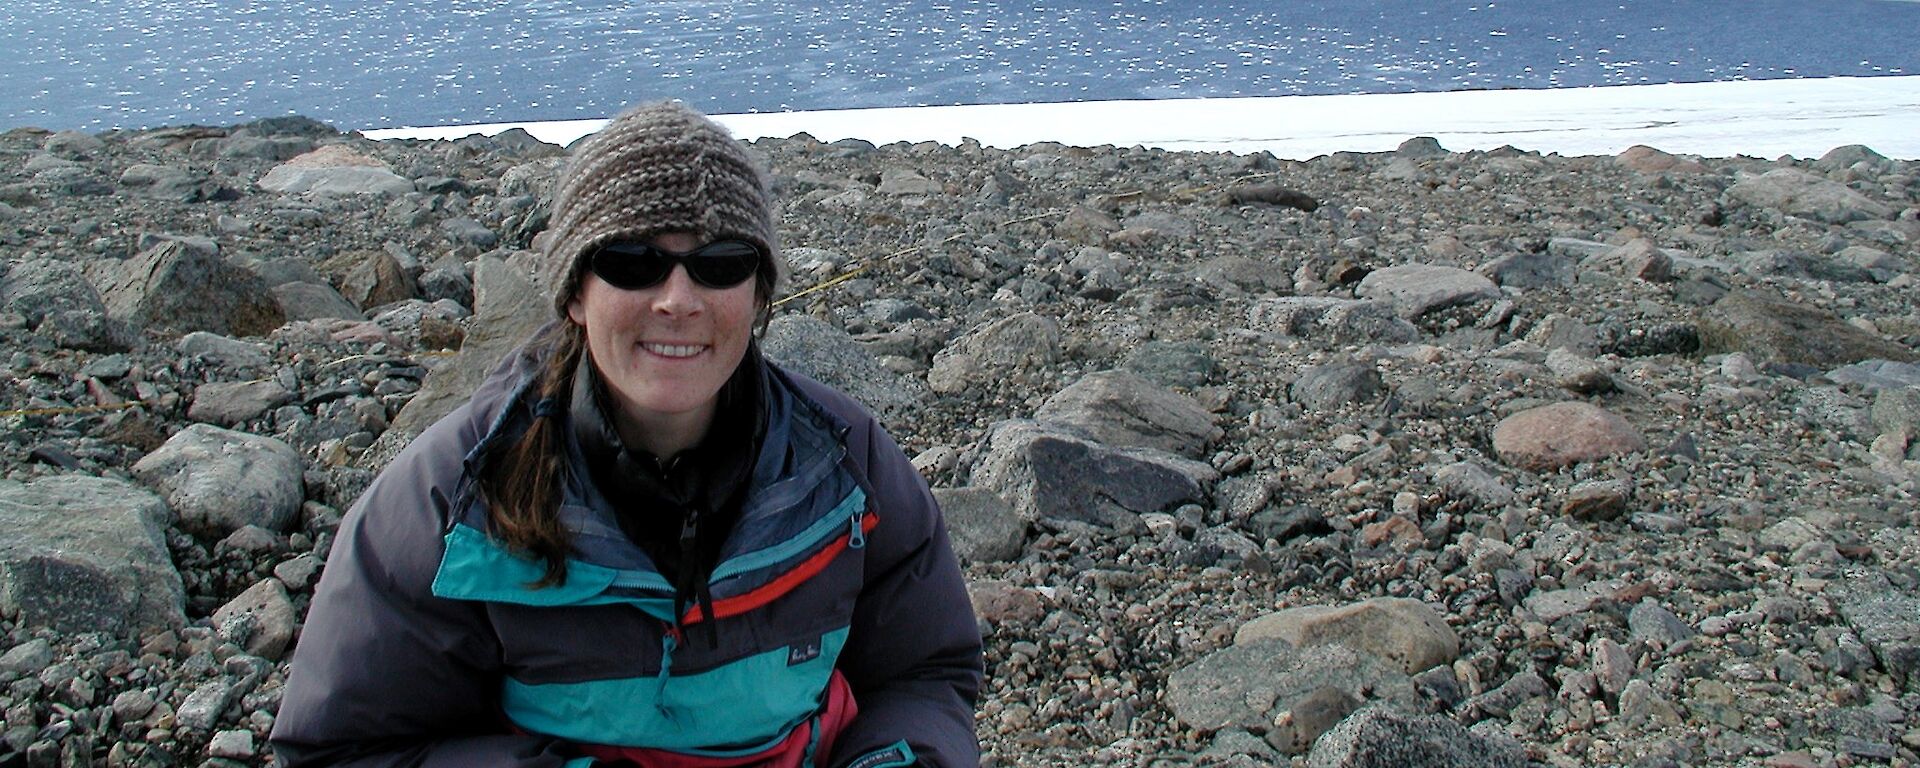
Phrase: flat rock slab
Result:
[1404,632]
[221,480]
[812,347]
[334,170]
[1248,684]
[1772,328]
[1416,289]
[1046,472]
[1121,409]
[86,554]
[1557,435]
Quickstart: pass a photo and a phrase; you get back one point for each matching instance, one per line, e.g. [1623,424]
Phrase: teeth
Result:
[674,350]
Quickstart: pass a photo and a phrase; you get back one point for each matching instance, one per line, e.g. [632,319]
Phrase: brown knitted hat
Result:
[656,168]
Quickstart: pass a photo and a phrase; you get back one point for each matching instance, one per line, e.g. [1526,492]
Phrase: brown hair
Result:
[522,481]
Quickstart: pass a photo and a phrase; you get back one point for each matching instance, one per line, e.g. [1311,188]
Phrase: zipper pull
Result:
[857,538]
[669,640]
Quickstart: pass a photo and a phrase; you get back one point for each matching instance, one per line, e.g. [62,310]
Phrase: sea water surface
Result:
[365,64]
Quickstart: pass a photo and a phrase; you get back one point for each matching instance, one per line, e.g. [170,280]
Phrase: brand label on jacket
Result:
[803,653]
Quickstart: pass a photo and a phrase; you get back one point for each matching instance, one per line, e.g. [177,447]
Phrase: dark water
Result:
[96,64]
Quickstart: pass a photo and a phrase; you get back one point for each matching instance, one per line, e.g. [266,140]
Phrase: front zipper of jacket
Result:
[669,640]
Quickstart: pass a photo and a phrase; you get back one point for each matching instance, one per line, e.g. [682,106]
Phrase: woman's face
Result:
[664,351]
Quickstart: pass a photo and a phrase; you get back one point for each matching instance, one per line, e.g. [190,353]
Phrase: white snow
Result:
[1765,118]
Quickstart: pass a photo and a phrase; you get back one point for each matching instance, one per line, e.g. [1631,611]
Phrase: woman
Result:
[640,543]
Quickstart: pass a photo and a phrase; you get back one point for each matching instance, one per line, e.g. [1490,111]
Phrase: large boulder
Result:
[1772,328]
[509,307]
[812,347]
[176,287]
[1123,410]
[1798,193]
[334,170]
[85,554]
[1046,472]
[218,480]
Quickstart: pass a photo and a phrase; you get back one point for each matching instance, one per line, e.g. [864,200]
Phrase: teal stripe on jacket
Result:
[749,702]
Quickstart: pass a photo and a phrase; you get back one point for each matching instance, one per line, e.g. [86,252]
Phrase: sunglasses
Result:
[633,266]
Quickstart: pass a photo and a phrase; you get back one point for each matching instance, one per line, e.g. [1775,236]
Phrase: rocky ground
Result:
[1408,458]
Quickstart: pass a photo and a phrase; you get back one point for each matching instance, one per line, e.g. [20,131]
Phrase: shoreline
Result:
[1762,118]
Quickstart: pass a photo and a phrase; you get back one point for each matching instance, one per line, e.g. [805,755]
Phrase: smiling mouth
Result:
[674,350]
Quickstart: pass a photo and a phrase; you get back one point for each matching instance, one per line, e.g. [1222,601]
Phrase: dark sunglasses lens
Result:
[631,267]
[724,264]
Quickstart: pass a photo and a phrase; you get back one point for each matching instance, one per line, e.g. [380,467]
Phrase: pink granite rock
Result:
[1554,436]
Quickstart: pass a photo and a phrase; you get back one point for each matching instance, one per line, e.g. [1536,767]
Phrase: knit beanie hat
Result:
[656,168]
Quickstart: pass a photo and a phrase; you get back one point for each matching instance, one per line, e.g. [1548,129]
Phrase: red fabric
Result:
[739,604]
[789,753]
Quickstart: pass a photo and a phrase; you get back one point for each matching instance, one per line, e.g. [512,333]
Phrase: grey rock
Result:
[1309,716]
[1896,410]
[465,230]
[298,573]
[1517,690]
[232,745]
[202,708]
[1383,737]
[1045,472]
[1557,604]
[1000,350]
[1332,320]
[508,309]
[265,604]
[220,480]
[229,403]
[903,181]
[1421,147]
[175,287]
[1789,534]
[1173,363]
[1887,620]
[1527,269]
[1578,373]
[163,182]
[1416,289]
[27,658]
[83,554]
[1643,707]
[74,145]
[1467,480]
[1798,193]
[1247,684]
[1771,328]
[1330,386]
[37,287]
[1405,632]
[223,351]
[1651,622]
[983,527]
[997,602]
[813,348]
[1612,666]
[1123,410]
[313,301]
[280,271]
